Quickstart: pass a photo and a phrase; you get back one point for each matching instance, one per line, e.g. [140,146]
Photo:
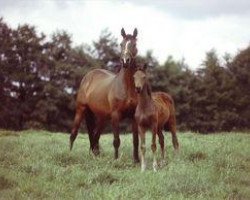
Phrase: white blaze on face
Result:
[126,50]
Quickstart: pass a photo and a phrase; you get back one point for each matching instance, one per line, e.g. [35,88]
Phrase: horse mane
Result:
[149,89]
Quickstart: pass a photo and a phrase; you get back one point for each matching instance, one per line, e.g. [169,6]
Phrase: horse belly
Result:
[96,95]
[98,103]
[163,116]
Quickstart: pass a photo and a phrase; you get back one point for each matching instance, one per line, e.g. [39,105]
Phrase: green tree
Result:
[106,51]
[21,66]
[239,70]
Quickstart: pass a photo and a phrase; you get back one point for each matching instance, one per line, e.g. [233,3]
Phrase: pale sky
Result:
[182,28]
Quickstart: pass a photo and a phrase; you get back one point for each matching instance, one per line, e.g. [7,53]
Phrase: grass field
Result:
[38,165]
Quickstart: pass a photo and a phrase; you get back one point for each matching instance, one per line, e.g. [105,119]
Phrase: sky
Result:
[181,28]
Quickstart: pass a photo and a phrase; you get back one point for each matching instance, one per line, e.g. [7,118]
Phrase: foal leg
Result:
[161,142]
[115,126]
[80,109]
[172,128]
[153,148]
[143,147]
[135,141]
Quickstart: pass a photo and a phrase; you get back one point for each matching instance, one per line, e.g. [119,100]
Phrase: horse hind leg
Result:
[77,121]
[100,125]
[90,125]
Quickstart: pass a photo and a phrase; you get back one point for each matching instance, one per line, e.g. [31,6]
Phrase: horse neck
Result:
[126,75]
[145,97]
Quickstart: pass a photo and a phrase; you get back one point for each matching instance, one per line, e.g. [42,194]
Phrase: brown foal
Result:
[155,112]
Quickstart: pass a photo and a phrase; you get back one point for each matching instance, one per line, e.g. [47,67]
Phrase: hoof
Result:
[143,168]
[155,166]
[136,160]
[70,145]
[96,152]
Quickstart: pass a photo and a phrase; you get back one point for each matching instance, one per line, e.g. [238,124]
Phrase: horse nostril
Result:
[127,60]
[137,89]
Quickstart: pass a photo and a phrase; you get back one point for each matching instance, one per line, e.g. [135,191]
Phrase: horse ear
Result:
[135,33]
[145,66]
[123,33]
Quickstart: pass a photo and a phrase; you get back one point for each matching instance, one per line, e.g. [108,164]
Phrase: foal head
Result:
[128,48]
[140,78]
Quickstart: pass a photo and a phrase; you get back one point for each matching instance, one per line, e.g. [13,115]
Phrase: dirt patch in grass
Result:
[104,178]
[83,185]
[235,195]
[31,170]
[197,156]
[65,159]
[6,183]
[9,133]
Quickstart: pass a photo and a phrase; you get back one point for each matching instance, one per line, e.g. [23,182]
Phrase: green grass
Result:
[39,165]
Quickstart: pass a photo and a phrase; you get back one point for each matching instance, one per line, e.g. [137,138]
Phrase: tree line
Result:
[40,75]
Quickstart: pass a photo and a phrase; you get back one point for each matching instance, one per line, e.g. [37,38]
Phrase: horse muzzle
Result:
[126,62]
[138,90]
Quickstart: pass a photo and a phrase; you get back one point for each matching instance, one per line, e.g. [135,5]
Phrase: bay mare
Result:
[105,96]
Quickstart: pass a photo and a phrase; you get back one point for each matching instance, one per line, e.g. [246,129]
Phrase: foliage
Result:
[40,76]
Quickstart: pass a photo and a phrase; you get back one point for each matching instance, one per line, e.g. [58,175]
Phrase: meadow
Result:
[39,165]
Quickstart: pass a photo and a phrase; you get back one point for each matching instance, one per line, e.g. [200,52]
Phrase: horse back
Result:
[165,107]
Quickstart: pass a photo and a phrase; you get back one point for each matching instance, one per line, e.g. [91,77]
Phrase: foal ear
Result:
[123,33]
[135,33]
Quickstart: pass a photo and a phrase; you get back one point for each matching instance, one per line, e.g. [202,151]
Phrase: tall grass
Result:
[39,165]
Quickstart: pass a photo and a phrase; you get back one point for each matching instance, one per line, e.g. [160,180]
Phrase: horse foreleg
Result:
[77,121]
[142,147]
[115,126]
[135,141]
[153,148]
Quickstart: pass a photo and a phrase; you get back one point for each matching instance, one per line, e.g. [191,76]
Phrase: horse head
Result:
[128,48]
[140,78]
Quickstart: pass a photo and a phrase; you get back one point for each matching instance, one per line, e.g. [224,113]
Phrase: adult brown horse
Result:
[104,95]
[154,111]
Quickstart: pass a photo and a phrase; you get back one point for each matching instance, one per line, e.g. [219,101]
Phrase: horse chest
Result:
[145,119]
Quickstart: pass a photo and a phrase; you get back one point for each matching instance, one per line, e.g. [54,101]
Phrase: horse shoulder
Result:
[117,93]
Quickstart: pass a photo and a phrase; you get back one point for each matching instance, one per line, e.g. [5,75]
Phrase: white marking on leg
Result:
[155,162]
[143,163]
